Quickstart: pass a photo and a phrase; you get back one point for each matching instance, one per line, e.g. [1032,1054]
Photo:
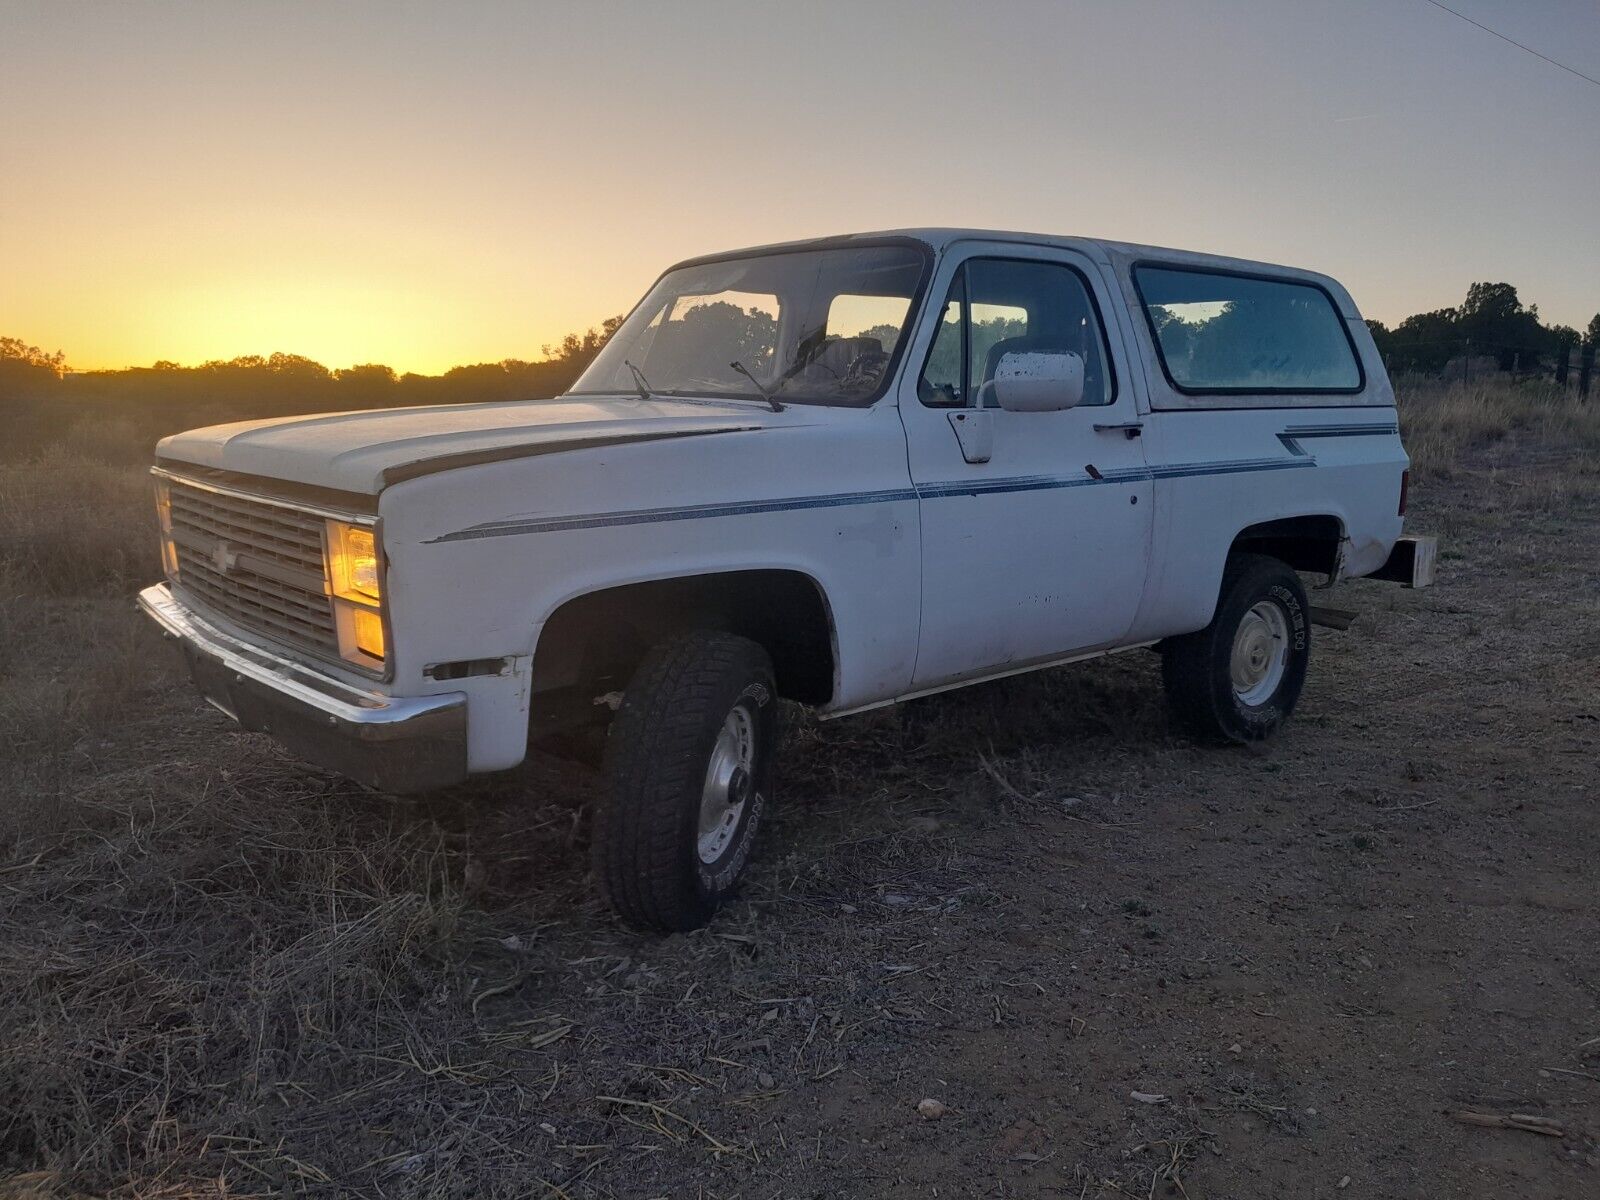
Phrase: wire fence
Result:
[1570,366]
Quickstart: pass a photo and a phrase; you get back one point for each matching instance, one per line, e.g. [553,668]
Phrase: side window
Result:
[999,306]
[992,324]
[1023,305]
[1221,333]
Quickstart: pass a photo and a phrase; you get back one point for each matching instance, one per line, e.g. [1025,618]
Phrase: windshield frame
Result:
[897,357]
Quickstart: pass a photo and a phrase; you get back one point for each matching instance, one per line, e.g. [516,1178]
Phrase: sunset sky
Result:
[431,184]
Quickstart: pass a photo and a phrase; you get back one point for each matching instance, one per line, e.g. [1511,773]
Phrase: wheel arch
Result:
[591,641]
[1311,542]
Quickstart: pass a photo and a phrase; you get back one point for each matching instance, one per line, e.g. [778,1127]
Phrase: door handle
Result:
[974,433]
[1131,429]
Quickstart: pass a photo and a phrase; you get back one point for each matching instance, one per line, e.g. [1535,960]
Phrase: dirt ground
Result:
[1124,965]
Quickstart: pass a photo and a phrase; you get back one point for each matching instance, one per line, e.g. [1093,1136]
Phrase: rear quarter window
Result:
[1221,333]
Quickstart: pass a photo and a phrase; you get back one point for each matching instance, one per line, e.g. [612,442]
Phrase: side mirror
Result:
[1038,381]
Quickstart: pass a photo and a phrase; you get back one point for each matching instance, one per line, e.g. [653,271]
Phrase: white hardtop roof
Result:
[1120,255]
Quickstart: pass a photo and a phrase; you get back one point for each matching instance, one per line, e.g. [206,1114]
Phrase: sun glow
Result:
[327,321]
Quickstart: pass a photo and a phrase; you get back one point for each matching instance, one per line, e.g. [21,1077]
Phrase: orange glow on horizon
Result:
[337,322]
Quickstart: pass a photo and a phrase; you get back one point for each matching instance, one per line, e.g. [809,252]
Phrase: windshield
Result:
[809,327]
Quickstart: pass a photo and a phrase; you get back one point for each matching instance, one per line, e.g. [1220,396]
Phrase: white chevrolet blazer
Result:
[845,472]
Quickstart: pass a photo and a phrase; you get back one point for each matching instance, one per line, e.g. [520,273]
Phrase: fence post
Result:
[1585,369]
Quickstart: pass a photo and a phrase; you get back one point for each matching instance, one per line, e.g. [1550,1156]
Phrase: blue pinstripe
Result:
[926,491]
[1291,436]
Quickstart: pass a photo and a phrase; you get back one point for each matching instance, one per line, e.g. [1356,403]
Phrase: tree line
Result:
[43,399]
[1491,322]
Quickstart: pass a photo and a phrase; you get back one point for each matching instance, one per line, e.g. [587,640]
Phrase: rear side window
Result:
[1222,333]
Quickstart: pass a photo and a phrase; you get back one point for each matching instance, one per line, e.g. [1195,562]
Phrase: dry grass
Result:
[76,539]
[72,525]
[226,974]
[185,926]
[204,958]
[1442,423]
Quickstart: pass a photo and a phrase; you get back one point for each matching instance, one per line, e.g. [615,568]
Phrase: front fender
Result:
[481,557]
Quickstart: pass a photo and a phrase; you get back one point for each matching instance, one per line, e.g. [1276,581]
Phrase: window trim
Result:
[1261,277]
[1114,391]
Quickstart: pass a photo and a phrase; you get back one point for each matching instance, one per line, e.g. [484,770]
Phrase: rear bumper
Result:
[396,743]
[1411,561]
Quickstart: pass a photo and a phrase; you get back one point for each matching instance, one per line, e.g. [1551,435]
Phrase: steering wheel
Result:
[864,371]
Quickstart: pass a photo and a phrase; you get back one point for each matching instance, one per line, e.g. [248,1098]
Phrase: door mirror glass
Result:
[1037,381]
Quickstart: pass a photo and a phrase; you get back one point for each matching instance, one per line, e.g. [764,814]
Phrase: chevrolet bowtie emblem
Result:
[224,558]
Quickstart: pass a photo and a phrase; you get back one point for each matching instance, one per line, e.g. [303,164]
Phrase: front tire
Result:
[1238,679]
[687,773]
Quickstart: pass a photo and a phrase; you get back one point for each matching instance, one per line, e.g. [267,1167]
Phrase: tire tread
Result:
[1189,663]
[651,764]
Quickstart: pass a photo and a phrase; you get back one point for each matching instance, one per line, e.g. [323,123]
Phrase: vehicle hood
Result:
[365,451]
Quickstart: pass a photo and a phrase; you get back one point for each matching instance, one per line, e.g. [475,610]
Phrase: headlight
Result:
[353,563]
[169,552]
[355,577]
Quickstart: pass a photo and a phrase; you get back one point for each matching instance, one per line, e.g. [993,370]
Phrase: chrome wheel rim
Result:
[1260,653]
[730,777]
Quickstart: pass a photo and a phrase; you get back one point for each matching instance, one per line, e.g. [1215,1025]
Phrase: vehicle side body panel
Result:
[822,492]
[1219,473]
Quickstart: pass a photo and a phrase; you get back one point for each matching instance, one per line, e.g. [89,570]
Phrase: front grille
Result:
[254,563]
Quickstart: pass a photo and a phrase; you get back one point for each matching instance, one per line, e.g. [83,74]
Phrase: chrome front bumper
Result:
[396,743]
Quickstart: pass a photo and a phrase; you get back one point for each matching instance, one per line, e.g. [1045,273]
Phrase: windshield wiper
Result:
[765,395]
[639,381]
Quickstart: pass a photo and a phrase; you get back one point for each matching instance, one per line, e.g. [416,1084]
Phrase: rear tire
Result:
[1238,679]
[687,772]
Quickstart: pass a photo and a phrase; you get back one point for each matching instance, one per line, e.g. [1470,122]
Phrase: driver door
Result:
[1035,525]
